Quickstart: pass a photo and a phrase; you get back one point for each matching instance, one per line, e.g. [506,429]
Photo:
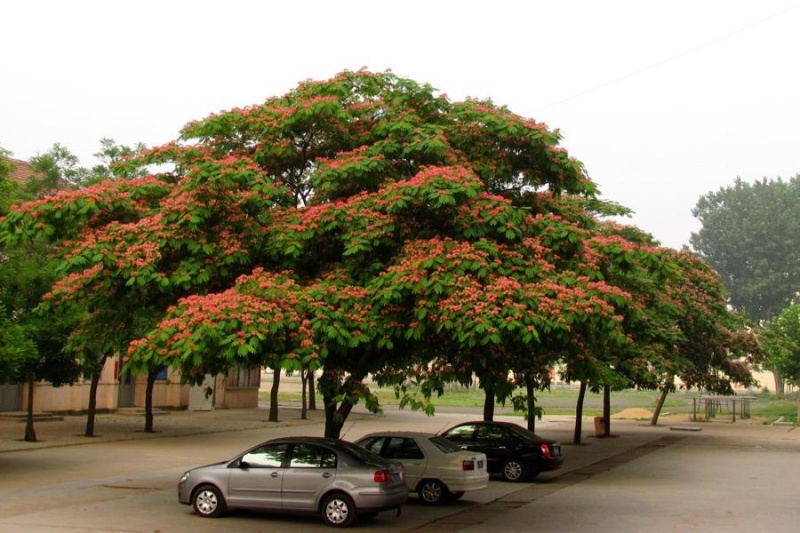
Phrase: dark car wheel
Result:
[338,510]
[513,470]
[432,491]
[208,501]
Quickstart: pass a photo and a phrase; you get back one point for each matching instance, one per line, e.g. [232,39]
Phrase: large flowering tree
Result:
[363,224]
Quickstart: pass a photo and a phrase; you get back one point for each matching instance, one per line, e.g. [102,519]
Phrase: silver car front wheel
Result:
[208,501]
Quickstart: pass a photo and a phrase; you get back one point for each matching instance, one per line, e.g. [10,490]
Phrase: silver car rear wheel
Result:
[208,502]
[338,510]
[432,491]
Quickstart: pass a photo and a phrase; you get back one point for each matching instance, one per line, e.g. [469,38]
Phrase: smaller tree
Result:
[30,344]
[57,169]
[7,187]
[781,341]
[15,347]
[118,161]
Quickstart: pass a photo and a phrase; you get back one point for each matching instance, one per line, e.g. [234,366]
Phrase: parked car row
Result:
[342,481]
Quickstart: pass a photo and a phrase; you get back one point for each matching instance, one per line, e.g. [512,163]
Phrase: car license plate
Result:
[556,450]
[397,476]
[480,464]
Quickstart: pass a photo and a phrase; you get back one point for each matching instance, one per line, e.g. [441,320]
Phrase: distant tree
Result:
[751,236]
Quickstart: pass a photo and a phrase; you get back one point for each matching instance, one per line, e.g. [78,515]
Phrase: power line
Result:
[670,59]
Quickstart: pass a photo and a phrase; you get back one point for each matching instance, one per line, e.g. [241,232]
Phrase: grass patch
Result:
[562,401]
[774,408]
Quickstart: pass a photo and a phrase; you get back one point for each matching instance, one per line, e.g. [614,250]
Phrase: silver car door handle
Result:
[274,474]
[326,475]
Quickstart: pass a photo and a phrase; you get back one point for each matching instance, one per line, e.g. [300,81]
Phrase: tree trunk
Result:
[92,408]
[333,421]
[335,417]
[273,395]
[488,404]
[780,384]
[531,405]
[312,392]
[30,433]
[303,406]
[576,436]
[607,411]
[148,401]
[330,387]
[659,406]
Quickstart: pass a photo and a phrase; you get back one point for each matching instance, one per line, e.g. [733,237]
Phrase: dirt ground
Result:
[667,418]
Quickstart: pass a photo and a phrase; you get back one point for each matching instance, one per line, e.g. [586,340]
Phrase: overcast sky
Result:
[663,101]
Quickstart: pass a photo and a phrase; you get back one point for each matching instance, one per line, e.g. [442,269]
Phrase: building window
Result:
[244,378]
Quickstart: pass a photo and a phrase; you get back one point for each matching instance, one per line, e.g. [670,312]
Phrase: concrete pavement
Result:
[654,478]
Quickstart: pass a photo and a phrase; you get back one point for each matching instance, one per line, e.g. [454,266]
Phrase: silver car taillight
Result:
[383,476]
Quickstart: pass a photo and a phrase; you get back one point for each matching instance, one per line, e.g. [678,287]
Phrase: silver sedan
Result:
[335,479]
[436,469]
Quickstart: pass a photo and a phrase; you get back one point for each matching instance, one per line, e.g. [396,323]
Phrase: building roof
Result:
[21,172]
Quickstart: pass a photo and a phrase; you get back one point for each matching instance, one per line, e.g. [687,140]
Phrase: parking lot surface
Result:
[662,478]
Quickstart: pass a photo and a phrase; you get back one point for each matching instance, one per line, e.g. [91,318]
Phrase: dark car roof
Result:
[510,425]
[306,439]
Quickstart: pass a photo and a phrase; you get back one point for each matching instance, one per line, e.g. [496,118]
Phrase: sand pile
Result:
[633,413]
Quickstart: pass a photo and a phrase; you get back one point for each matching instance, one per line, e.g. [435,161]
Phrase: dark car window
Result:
[373,444]
[361,455]
[444,445]
[526,434]
[268,456]
[311,456]
[461,433]
[487,432]
[402,448]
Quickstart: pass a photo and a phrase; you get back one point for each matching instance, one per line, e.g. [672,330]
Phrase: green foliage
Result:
[749,236]
[781,341]
[7,187]
[16,349]
[117,161]
[33,342]
[363,225]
